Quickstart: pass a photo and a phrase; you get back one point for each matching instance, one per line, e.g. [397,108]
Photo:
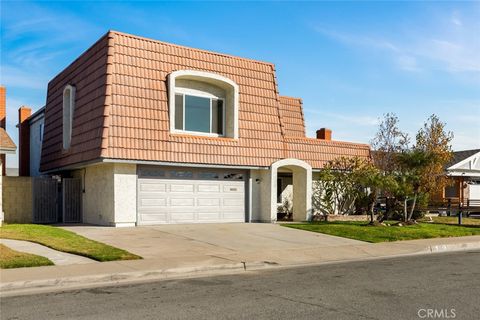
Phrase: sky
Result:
[350,62]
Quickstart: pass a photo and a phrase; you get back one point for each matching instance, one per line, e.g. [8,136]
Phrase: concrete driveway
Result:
[233,242]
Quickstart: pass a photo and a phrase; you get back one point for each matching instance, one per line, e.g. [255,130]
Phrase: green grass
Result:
[362,231]
[454,220]
[14,259]
[66,241]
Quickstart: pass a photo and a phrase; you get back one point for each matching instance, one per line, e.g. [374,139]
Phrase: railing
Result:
[450,206]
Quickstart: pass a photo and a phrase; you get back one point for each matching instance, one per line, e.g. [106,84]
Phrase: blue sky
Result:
[351,62]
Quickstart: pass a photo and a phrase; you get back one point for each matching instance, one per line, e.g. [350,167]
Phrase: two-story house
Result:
[161,133]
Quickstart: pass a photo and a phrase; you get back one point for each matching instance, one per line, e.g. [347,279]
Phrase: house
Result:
[464,171]
[31,139]
[160,133]
[6,144]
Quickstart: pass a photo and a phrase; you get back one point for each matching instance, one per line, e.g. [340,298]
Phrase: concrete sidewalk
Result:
[52,278]
[57,257]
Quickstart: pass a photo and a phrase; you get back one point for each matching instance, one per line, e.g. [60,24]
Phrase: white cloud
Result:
[452,44]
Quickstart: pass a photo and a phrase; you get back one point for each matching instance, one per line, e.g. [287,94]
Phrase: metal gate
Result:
[72,200]
[45,200]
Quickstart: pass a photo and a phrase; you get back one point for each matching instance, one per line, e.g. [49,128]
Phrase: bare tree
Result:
[388,141]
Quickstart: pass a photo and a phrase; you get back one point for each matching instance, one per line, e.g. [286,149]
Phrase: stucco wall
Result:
[125,193]
[261,195]
[98,198]
[17,199]
[110,196]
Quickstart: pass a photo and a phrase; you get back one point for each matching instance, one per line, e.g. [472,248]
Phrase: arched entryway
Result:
[301,179]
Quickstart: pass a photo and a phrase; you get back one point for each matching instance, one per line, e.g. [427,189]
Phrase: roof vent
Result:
[324,134]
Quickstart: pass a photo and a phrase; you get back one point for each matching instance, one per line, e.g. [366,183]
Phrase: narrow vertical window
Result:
[68,108]
[217,116]
[179,111]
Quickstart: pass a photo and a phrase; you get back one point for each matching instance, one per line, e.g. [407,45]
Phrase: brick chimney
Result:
[24,141]
[324,134]
[3,120]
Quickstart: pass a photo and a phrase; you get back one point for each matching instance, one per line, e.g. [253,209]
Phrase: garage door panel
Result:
[233,202]
[213,217]
[153,187]
[202,196]
[230,188]
[154,217]
[153,202]
[208,188]
[208,202]
[184,187]
[182,202]
[183,217]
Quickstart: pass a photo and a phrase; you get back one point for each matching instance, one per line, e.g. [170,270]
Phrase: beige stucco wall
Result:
[125,193]
[17,199]
[110,196]
[261,195]
[98,200]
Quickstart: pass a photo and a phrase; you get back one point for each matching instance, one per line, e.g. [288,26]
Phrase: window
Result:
[208,175]
[40,132]
[203,103]
[199,114]
[233,176]
[68,108]
[181,174]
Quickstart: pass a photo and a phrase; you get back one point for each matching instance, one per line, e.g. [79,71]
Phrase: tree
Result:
[373,181]
[412,167]
[436,141]
[337,188]
[388,141]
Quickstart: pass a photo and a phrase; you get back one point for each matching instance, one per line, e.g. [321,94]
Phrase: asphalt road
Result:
[399,288]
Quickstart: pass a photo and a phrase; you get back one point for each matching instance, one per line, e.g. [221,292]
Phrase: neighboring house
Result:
[464,170]
[161,133]
[6,144]
[31,127]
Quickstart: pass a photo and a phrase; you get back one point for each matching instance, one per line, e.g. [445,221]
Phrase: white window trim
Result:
[208,96]
[206,75]
[67,135]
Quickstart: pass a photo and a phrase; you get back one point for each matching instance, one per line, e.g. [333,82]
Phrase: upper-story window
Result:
[68,109]
[202,103]
[199,114]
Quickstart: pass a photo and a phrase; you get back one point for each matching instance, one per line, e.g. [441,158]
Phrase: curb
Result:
[70,283]
[452,247]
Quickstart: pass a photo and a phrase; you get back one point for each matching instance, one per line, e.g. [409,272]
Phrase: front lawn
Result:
[66,241]
[454,220]
[364,232]
[14,259]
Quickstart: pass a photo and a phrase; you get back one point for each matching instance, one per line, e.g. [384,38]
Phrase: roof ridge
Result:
[290,97]
[191,48]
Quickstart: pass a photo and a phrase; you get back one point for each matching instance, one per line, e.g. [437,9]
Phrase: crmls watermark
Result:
[437,313]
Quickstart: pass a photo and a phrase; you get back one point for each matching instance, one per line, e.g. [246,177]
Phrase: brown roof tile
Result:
[6,143]
[122,110]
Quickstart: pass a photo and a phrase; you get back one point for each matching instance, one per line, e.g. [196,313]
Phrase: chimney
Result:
[324,134]
[24,141]
[3,120]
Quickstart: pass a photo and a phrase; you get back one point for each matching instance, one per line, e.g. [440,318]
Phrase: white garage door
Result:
[474,192]
[179,195]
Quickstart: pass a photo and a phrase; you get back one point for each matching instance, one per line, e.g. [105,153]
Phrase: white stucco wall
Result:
[98,198]
[125,194]
[110,196]
[260,194]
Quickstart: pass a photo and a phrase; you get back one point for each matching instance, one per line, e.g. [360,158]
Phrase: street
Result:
[415,287]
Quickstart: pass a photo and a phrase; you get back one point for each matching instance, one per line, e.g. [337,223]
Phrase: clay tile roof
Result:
[121,109]
[291,112]
[6,143]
